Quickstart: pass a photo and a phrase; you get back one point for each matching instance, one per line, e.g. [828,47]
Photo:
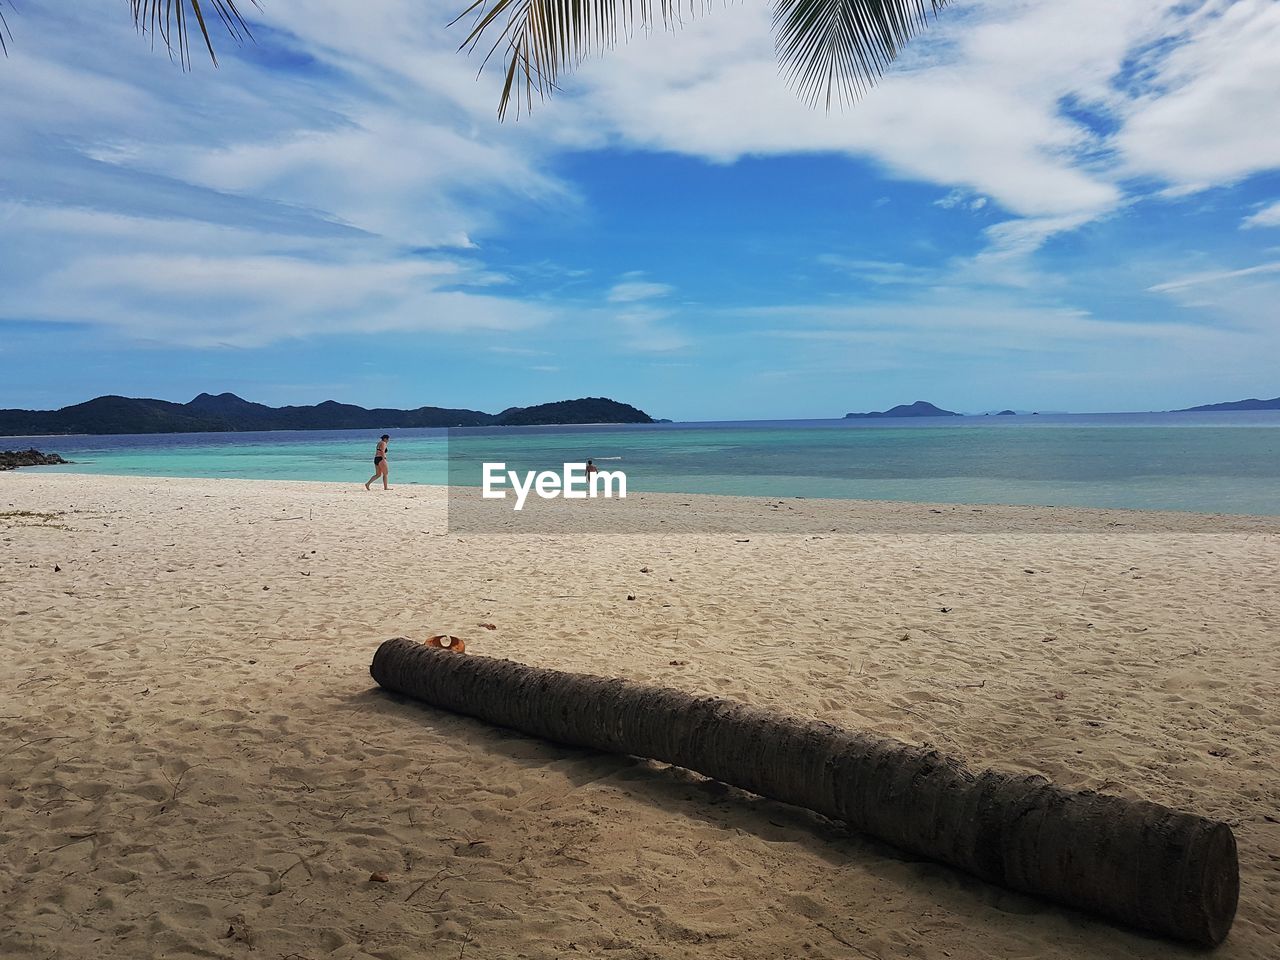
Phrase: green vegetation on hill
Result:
[225,412]
[586,410]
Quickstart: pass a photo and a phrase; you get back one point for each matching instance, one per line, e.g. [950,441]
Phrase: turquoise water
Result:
[1218,463]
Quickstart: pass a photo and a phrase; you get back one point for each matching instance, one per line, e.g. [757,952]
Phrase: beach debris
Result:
[266,588]
[1059,695]
[56,568]
[444,641]
[904,637]
[489,626]
[1028,571]
[678,663]
[378,877]
[644,569]
[631,596]
[945,609]
[747,540]
[1143,864]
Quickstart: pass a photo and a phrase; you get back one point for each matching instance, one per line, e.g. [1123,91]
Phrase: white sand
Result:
[194,761]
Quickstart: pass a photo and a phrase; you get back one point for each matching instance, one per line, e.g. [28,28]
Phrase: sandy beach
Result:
[194,761]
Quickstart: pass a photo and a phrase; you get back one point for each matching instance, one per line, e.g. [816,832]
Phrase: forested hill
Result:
[586,410]
[225,412]
[1250,404]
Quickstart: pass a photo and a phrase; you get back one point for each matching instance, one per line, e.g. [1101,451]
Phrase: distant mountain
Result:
[586,410]
[1251,404]
[1007,413]
[918,409]
[225,412]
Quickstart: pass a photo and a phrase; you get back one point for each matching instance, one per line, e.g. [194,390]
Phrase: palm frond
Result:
[542,38]
[829,48]
[836,49]
[170,21]
[4,28]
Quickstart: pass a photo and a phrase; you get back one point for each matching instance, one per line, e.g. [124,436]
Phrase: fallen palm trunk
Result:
[1141,863]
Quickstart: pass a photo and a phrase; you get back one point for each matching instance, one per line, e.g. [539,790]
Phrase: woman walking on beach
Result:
[380,463]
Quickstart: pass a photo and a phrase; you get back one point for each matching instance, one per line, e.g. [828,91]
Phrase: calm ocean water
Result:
[1218,463]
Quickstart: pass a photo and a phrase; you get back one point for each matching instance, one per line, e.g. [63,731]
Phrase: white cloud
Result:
[1208,113]
[1241,300]
[1022,347]
[881,272]
[383,141]
[244,205]
[206,285]
[646,330]
[1213,277]
[1268,216]
[630,291]
[962,325]
[951,200]
[960,198]
[962,111]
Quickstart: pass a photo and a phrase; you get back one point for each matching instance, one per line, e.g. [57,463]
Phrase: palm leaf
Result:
[170,21]
[829,48]
[836,49]
[541,38]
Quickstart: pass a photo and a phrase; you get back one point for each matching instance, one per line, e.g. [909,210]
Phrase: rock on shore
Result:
[12,459]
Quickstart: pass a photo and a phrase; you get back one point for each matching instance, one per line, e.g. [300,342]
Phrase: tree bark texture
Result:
[1141,863]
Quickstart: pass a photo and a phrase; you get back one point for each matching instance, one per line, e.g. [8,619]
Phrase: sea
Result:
[1201,462]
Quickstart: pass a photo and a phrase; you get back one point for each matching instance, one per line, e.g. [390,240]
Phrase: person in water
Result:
[380,463]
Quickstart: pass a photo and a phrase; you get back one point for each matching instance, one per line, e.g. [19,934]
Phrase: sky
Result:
[1044,206]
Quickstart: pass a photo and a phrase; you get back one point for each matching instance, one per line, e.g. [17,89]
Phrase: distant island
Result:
[225,413]
[918,409]
[1250,404]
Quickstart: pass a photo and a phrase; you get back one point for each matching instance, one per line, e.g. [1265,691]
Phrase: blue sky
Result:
[1071,206]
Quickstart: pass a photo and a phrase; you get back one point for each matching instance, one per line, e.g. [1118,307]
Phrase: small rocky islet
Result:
[12,459]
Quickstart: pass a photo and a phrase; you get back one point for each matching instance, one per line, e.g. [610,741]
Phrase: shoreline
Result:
[195,745]
[1115,519]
